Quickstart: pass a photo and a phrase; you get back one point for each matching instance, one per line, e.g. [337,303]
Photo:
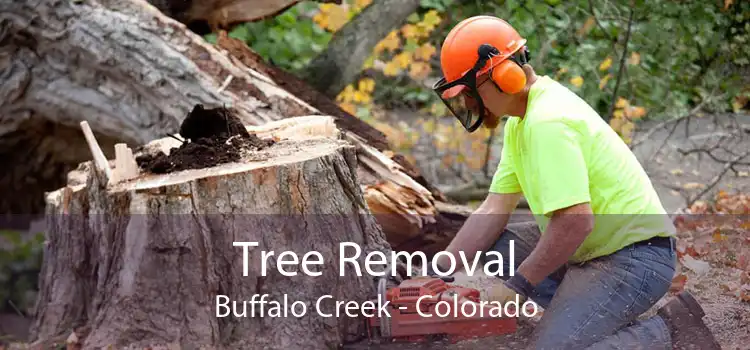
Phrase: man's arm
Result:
[567,229]
[482,228]
[563,193]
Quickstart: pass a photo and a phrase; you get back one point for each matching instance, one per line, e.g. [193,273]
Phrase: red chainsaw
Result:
[423,308]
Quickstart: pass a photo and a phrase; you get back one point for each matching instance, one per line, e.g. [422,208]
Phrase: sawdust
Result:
[726,316]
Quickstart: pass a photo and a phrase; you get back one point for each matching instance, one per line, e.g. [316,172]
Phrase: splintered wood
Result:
[164,246]
[96,151]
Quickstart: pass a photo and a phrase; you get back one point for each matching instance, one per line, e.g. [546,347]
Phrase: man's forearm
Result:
[482,228]
[563,236]
[478,232]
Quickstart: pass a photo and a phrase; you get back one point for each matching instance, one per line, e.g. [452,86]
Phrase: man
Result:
[602,250]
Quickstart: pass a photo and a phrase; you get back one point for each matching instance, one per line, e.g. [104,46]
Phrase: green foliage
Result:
[289,40]
[20,262]
[676,55]
[440,5]
[677,52]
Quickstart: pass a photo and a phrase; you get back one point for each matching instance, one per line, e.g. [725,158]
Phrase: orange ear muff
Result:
[509,77]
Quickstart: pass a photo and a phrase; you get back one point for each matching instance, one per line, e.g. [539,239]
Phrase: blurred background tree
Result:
[631,60]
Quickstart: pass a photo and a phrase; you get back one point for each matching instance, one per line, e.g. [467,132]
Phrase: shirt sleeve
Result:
[559,165]
[505,179]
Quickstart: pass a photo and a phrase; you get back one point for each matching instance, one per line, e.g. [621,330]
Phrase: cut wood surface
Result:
[141,262]
[133,74]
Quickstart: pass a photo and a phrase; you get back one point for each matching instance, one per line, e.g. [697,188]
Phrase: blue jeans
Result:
[595,305]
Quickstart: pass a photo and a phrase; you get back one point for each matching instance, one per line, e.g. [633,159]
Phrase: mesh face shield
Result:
[464,102]
[461,96]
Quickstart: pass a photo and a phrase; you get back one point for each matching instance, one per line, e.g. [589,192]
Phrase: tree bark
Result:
[133,74]
[347,51]
[142,262]
[205,16]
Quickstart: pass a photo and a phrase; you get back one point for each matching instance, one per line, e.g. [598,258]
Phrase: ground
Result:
[727,316]
[714,266]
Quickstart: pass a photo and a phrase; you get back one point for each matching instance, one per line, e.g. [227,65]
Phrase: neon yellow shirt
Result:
[563,153]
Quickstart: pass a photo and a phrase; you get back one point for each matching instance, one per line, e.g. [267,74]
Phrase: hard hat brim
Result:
[454,91]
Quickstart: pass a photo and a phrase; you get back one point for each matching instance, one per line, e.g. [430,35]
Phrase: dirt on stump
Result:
[212,137]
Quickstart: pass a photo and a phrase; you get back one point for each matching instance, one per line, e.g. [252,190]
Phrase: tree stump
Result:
[141,262]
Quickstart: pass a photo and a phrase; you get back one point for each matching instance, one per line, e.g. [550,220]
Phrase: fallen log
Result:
[143,262]
[133,74]
[205,16]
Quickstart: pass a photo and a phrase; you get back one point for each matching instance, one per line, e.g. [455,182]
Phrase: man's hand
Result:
[565,232]
[483,227]
[500,293]
[516,285]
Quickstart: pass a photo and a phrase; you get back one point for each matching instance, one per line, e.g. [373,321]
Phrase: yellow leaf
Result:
[603,82]
[425,52]
[321,20]
[403,59]
[327,7]
[360,4]
[693,186]
[390,42]
[728,3]
[621,103]
[358,96]
[627,129]
[676,172]
[431,18]
[419,70]
[349,107]
[367,85]
[636,112]
[409,31]
[369,63]
[577,81]
[606,64]
[391,69]
[616,124]
[635,58]
[743,173]
[346,94]
[618,114]
[366,98]
[423,30]
[338,17]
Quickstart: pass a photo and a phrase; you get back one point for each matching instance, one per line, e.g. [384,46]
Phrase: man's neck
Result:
[523,101]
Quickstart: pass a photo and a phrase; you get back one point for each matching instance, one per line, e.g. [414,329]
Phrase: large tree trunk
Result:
[205,16]
[342,59]
[142,262]
[133,74]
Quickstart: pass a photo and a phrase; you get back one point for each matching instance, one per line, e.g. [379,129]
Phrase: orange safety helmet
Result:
[475,46]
